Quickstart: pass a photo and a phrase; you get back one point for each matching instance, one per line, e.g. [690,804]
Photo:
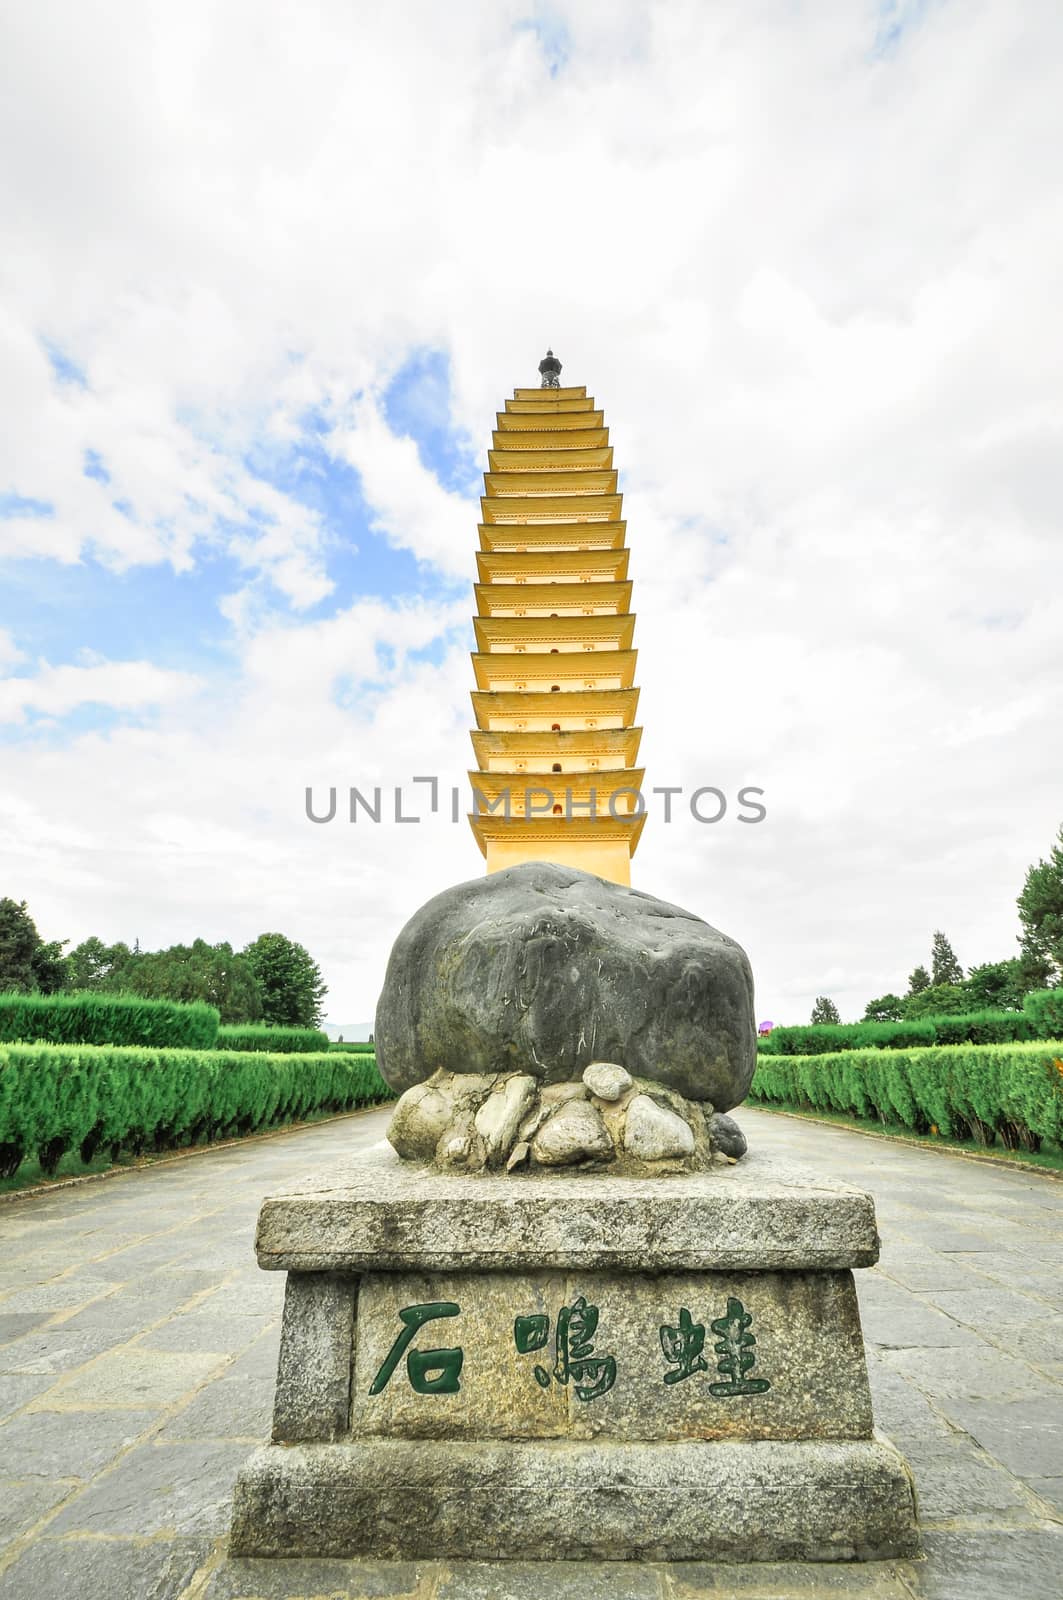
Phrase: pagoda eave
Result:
[604,781]
[544,832]
[610,629]
[538,406]
[512,568]
[548,462]
[570,666]
[545,745]
[541,703]
[608,598]
[553,508]
[568,440]
[527,421]
[570,391]
[562,535]
[527,481]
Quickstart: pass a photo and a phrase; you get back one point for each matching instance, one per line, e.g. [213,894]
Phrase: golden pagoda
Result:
[555,739]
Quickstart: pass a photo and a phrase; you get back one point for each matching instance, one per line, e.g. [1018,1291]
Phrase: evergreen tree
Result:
[200,971]
[889,1008]
[1041,912]
[1002,985]
[19,941]
[918,981]
[825,1010]
[95,965]
[944,968]
[290,981]
[940,1000]
[49,966]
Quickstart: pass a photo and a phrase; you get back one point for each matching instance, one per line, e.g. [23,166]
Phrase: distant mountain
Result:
[349,1030]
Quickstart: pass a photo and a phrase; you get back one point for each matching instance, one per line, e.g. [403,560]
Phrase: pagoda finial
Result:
[550,371]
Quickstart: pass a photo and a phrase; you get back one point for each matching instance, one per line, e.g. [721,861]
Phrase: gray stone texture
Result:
[466,1122]
[575,1132]
[808,1348]
[608,1081]
[727,1136]
[948,1224]
[594,1501]
[94,1569]
[543,969]
[656,1133]
[643,1402]
[314,1366]
[379,1212]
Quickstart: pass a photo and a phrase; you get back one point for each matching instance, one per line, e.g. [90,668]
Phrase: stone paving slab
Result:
[126,1409]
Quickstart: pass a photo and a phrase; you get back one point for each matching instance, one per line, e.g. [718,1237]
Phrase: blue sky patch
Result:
[22,505]
[554,39]
[66,370]
[417,406]
[93,467]
[895,18]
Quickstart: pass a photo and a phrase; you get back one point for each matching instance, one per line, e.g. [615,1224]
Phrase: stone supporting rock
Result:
[608,1120]
[572,1365]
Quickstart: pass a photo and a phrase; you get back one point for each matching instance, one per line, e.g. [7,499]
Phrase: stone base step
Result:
[560,1499]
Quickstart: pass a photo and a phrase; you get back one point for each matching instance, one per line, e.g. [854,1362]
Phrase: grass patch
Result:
[1049,1158]
[31,1175]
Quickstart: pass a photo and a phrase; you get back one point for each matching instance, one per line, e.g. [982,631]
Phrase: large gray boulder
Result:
[542,969]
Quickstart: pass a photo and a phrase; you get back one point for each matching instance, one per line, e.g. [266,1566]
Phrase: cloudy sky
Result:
[267,272]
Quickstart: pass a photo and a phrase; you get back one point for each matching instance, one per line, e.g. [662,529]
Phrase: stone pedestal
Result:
[576,1366]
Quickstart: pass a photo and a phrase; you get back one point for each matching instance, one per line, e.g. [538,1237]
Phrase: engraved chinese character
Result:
[735,1346]
[682,1347]
[429,1371]
[574,1356]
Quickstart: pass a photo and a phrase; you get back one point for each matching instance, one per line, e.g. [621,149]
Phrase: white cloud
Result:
[116,685]
[816,288]
[409,505]
[10,653]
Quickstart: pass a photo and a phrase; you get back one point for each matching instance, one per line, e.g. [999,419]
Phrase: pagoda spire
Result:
[550,371]
[555,739]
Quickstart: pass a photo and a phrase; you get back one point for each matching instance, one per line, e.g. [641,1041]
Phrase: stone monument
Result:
[565,1315]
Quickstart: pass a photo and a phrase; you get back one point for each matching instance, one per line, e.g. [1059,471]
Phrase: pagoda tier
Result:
[534,565]
[558,674]
[548,422]
[585,634]
[565,537]
[577,750]
[555,704]
[601,791]
[501,599]
[530,710]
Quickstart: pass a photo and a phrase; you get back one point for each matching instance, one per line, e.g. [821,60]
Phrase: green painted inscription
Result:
[574,1356]
[734,1347]
[429,1371]
[683,1346]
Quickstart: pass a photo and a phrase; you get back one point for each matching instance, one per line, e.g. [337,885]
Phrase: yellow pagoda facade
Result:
[555,741]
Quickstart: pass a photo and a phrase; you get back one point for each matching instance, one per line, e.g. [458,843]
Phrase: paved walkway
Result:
[138,1342]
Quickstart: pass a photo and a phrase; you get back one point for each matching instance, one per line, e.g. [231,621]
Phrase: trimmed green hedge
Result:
[273,1041]
[1045,1008]
[55,1098]
[974,1027]
[1012,1092]
[364,1047]
[93,1018]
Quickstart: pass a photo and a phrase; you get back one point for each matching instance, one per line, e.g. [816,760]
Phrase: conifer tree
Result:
[944,967]
[1041,913]
[825,1010]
